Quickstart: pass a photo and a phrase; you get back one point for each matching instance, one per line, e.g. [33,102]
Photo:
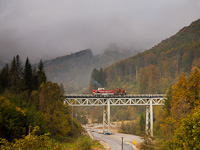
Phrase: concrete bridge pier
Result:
[149,119]
[106,112]
[104,118]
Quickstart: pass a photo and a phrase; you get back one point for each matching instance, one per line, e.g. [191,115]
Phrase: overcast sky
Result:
[44,29]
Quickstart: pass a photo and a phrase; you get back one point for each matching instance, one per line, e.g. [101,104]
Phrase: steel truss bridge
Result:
[148,100]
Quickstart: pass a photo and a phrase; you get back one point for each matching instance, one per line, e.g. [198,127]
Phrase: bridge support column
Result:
[108,115]
[151,117]
[147,120]
[104,118]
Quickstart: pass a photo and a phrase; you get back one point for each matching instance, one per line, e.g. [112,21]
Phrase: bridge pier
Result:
[108,115]
[104,118]
[147,120]
[106,111]
[151,117]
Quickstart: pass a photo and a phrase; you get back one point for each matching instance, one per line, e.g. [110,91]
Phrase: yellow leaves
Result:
[30,142]
[21,111]
[187,134]
[185,96]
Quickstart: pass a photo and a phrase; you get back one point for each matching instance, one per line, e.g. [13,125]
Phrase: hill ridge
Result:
[155,69]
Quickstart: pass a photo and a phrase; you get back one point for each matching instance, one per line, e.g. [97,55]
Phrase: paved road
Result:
[114,143]
[127,137]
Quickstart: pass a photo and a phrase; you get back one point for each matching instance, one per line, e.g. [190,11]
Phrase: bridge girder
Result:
[148,100]
[113,101]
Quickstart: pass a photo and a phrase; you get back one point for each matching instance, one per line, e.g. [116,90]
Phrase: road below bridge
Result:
[115,139]
[114,143]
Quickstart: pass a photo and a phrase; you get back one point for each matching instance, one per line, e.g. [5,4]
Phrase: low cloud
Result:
[44,29]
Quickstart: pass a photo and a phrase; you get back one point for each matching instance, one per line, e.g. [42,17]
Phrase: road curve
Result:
[114,144]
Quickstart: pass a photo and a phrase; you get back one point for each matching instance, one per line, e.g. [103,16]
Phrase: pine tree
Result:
[34,79]
[94,79]
[16,74]
[4,77]
[41,74]
[13,72]
[28,75]
[102,77]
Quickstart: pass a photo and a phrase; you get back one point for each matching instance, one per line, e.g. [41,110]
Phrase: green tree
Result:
[12,120]
[34,79]
[142,123]
[27,76]
[102,77]
[56,114]
[41,74]
[16,74]
[168,100]
[94,79]
[4,77]
[187,135]
[29,142]
[36,119]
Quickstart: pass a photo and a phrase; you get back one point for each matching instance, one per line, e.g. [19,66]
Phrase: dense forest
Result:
[154,70]
[31,109]
[170,67]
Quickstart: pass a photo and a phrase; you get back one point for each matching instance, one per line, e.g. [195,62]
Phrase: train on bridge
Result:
[102,91]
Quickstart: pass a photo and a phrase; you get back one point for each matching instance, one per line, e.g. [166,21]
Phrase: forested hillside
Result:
[154,70]
[32,109]
[74,70]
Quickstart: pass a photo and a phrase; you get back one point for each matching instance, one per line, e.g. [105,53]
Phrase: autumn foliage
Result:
[181,118]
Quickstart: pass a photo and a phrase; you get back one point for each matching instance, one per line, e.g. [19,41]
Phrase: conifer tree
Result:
[41,74]
[16,74]
[94,79]
[102,77]
[4,77]
[28,75]
[34,79]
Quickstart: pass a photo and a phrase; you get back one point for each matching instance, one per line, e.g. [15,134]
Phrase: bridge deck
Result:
[114,100]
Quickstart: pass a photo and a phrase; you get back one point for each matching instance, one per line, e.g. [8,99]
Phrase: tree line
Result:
[16,78]
[28,101]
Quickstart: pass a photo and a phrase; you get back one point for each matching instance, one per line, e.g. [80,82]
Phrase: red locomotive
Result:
[102,91]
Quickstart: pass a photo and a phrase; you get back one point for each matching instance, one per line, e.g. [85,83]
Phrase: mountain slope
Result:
[74,70]
[154,70]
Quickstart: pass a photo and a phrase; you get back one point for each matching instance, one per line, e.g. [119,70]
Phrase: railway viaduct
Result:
[147,100]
